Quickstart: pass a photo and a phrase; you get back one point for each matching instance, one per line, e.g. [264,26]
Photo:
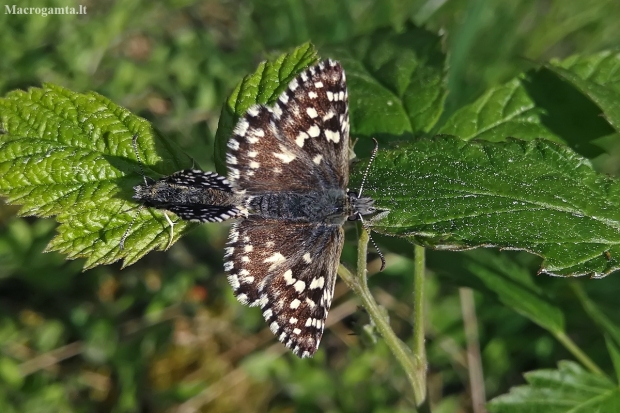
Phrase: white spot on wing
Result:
[333,136]
[277,111]
[286,156]
[318,85]
[234,281]
[253,111]
[233,144]
[299,140]
[263,300]
[255,134]
[242,127]
[274,327]
[288,277]
[300,286]
[317,283]
[295,304]
[317,160]
[275,259]
[306,256]
[314,131]
[293,85]
[312,112]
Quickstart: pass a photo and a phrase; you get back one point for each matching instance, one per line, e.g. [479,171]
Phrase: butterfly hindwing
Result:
[199,179]
[289,271]
[206,213]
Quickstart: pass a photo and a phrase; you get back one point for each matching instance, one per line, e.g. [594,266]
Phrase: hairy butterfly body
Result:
[193,195]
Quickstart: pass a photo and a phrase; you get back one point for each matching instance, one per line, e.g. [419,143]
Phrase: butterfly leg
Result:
[171,229]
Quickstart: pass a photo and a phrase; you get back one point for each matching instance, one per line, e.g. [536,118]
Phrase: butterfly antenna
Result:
[374,244]
[126,234]
[134,142]
[372,158]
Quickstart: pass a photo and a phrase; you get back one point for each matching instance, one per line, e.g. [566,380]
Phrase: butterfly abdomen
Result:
[162,194]
[193,195]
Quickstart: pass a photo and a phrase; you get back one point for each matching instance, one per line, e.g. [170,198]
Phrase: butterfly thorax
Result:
[332,206]
[162,194]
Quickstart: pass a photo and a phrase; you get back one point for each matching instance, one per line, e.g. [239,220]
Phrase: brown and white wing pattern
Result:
[301,142]
[289,271]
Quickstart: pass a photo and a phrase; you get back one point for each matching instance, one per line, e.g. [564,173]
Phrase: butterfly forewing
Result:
[301,142]
[289,271]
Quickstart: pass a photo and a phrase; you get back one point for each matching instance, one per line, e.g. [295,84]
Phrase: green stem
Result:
[419,350]
[577,353]
[597,316]
[400,351]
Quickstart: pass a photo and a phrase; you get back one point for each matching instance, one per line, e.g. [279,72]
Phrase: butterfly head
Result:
[360,206]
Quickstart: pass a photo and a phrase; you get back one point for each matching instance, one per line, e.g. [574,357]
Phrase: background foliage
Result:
[166,333]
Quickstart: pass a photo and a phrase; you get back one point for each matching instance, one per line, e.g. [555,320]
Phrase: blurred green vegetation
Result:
[166,333]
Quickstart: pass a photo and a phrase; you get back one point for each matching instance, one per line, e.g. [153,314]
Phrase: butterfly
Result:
[288,171]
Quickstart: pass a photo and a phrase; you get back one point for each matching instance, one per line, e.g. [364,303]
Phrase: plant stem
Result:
[419,349]
[578,353]
[400,351]
[474,359]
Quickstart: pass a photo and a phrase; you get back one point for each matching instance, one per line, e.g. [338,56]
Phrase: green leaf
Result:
[10,373]
[597,76]
[536,104]
[506,280]
[614,353]
[395,80]
[70,155]
[101,341]
[536,196]
[261,87]
[608,326]
[568,389]
[505,110]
